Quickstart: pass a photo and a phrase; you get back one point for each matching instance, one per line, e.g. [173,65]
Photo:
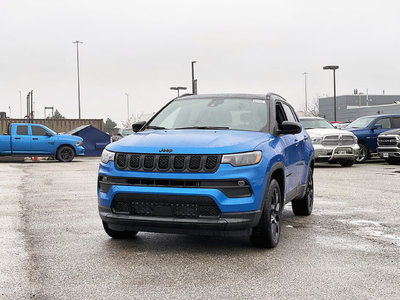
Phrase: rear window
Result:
[396,122]
[22,130]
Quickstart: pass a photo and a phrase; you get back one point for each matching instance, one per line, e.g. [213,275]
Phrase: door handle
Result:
[34,139]
[17,138]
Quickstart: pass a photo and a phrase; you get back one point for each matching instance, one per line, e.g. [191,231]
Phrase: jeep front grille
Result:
[167,162]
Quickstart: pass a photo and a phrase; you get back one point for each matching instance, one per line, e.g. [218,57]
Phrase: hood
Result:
[320,132]
[69,137]
[391,132]
[190,141]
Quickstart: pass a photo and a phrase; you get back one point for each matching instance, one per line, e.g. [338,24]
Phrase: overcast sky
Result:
[144,47]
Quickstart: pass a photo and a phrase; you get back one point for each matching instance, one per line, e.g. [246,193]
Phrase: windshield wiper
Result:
[203,127]
[154,127]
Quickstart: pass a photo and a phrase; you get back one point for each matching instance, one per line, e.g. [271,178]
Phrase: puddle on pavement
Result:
[374,230]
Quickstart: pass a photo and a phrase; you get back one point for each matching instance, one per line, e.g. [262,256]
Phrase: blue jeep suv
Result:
[367,130]
[222,164]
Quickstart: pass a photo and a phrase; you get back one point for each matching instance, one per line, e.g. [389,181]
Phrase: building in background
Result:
[351,107]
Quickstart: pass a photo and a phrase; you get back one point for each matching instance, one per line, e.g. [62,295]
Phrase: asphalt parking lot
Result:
[52,244]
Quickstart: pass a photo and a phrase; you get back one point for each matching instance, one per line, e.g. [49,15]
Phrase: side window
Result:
[289,113]
[384,122]
[280,114]
[396,122]
[37,130]
[22,130]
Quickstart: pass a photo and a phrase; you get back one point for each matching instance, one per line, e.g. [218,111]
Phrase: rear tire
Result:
[118,234]
[267,232]
[346,163]
[363,154]
[304,206]
[65,154]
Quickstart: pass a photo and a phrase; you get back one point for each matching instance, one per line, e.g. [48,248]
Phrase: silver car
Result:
[330,144]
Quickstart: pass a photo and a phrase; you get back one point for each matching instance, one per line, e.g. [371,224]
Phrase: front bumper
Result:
[79,150]
[227,224]
[152,191]
[335,153]
[388,152]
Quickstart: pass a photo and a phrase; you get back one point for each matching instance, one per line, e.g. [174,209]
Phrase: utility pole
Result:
[77,65]
[20,105]
[305,88]
[127,104]
[194,81]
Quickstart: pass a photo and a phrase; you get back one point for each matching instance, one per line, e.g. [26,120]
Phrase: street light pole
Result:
[305,88]
[79,85]
[194,81]
[334,68]
[178,88]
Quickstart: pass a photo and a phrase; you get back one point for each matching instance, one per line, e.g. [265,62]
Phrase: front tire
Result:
[346,163]
[363,154]
[266,234]
[118,234]
[65,154]
[304,206]
[393,161]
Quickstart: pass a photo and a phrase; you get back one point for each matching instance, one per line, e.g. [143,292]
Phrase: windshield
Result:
[361,122]
[316,123]
[213,113]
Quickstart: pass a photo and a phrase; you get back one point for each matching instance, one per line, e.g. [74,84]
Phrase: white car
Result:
[330,144]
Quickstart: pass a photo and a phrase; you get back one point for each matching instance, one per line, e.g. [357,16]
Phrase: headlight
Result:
[107,156]
[79,143]
[316,140]
[242,159]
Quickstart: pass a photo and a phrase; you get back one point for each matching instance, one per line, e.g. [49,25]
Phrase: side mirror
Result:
[376,126]
[288,127]
[49,134]
[138,125]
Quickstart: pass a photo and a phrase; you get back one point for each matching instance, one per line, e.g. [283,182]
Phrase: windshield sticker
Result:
[259,101]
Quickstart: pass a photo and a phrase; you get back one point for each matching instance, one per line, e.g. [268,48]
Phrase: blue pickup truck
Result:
[223,164]
[37,140]
[367,130]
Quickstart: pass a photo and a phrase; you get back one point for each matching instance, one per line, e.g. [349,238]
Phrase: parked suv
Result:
[221,164]
[330,144]
[389,146]
[367,130]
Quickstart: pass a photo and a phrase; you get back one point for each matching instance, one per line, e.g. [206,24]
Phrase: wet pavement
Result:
[52,244]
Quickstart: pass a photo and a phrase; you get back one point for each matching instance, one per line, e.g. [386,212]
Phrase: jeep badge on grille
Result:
[165,150]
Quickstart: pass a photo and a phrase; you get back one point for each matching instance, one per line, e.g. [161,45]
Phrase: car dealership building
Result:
[351,107]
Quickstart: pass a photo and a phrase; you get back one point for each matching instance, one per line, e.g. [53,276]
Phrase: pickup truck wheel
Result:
[118,234]
[363,154]
[393,161]
[346,163]
[65,154]
[304,206]
[266,234]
